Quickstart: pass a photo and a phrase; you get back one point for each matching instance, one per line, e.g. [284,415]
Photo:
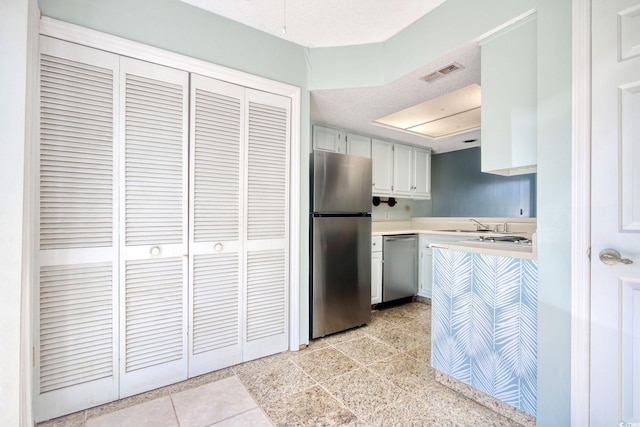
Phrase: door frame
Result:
[581,213]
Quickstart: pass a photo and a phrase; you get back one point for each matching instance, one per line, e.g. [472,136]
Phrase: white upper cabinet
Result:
[421,174]
[402,170]
[399,170]
[358,145]
[509,91]
[327,139]
[382,156]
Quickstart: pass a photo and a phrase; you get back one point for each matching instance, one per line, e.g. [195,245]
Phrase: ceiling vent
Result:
[431,77]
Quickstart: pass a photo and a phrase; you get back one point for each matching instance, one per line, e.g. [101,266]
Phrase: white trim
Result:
[95,39]
[76,34]
[581,214]
[294,226]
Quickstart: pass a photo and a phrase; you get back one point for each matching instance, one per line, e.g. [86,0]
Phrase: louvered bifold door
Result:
[76,330]
[267,225]
[153,226]
[216,213]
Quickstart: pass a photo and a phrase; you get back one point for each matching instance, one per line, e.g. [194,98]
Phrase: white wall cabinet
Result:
[376,269]
[421,174]
[509,100]
[150,269]
[382,158]
[328,139]
[358,145]
[399,170]
[402,170]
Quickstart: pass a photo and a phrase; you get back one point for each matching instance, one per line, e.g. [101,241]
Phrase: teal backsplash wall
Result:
[458,188]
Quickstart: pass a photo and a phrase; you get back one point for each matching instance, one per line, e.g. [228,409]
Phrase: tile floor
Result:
[376,375]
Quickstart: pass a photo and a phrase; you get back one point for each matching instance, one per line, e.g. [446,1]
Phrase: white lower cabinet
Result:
[376,269]
[425,261]
[152,269]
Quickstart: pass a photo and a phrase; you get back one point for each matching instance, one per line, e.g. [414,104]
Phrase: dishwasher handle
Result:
[394,238]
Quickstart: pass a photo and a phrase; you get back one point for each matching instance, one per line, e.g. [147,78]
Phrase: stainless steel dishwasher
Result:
[400,268]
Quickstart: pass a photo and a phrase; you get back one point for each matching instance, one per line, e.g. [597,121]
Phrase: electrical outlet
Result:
[386,215]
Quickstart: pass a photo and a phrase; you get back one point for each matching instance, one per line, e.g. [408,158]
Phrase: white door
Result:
[266,246]
[76,302]
[615,292]
[153,225]
[215,215]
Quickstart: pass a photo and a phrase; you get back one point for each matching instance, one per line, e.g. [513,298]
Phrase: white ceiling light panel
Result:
[453,112]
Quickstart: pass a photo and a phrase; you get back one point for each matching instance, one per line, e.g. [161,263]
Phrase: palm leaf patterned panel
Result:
[484,323]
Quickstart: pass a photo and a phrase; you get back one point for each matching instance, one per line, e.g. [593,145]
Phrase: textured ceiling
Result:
[355,109]
[323,23]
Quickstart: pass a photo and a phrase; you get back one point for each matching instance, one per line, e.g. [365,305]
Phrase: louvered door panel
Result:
[267,201]
[216,213]
[76,333]
[153,226]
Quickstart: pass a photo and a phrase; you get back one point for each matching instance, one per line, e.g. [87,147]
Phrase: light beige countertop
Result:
[465,228]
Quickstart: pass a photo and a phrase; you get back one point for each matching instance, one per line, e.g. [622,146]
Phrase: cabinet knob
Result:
[217,247]
[155,251]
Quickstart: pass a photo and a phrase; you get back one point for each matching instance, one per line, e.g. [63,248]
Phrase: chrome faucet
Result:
[480,225]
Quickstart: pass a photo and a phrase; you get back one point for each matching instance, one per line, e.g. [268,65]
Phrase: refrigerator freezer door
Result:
[341,274]
[340,183]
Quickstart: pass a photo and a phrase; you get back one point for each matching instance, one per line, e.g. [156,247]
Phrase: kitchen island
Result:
[484,325]
[484,309]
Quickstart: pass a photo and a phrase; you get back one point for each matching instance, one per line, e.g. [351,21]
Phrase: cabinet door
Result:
[382,158]
[153,225]
[426,272]
[376,277]
[327,139]
[215,215]
[358,145]
[266,276]
[509,100]
[421,174]
[402,164]
[76,305]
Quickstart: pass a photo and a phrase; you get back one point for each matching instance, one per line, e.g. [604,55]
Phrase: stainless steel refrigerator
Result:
[340,264]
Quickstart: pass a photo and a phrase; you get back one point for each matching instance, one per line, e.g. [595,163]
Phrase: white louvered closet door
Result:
[76,331]
[267,230]
[153,225]
[216,212]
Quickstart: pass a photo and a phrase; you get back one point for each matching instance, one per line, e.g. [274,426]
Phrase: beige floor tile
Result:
[253,418]
[274,381]
[363,391]
[366,350]
[401,339]
[200,380]
[311,407]
[73,420]
[155,413]
[127,402]
[405,371]
[325,363]
[211,403]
